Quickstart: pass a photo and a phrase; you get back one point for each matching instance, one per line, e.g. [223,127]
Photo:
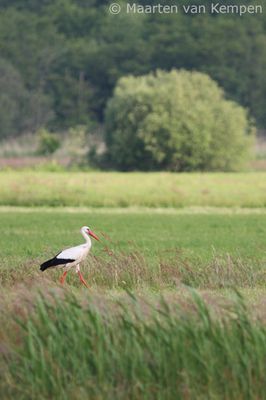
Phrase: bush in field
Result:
[48,142]
[177,120]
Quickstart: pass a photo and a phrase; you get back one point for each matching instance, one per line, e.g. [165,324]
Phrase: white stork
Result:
[72,257]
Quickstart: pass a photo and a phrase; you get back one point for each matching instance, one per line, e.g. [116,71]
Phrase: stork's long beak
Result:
[93,235]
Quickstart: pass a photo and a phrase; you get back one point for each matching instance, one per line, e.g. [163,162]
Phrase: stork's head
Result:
[88,231]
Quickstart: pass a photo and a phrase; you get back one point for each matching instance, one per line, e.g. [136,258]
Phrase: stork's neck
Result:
[87,238]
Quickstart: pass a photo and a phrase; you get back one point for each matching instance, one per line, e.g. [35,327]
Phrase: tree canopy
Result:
[69,55]
[175,120]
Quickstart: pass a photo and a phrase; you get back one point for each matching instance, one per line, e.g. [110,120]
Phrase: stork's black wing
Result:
[53,262]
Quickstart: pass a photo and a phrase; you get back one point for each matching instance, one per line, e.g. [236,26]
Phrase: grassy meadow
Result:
[114,189]
[176,305]
[150,239]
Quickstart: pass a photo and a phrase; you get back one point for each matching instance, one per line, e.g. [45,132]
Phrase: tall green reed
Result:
[78,350]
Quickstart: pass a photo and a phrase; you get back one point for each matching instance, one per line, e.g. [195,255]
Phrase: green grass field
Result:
[154,239]
[98,189]
[161,319]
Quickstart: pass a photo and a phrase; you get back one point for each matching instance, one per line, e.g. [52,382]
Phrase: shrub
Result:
[48,142]
[176,120]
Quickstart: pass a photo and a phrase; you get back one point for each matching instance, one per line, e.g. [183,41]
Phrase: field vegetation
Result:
[161,319]
[79,350]
[136,248]
[114,189]
[175,307]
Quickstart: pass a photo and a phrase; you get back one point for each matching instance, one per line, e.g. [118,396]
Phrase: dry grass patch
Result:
[132,271]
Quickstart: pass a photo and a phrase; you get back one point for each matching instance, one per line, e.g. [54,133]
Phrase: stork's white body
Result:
[77,253]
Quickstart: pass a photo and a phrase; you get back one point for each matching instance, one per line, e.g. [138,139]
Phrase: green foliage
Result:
[12,96]
[48,142]
[224,47]
[71,348]
[177,120]
[21,110]
[69,54]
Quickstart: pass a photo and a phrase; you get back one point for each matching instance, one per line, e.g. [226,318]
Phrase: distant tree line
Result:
[60,59]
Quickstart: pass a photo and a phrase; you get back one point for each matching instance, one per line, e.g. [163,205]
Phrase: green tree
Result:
[73,52]
[179,121]
[231,50]
[20,109]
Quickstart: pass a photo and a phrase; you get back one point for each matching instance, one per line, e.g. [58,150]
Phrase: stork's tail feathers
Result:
[46,264]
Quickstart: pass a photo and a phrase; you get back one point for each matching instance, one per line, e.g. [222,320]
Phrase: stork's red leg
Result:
[63,277]
[82,280]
